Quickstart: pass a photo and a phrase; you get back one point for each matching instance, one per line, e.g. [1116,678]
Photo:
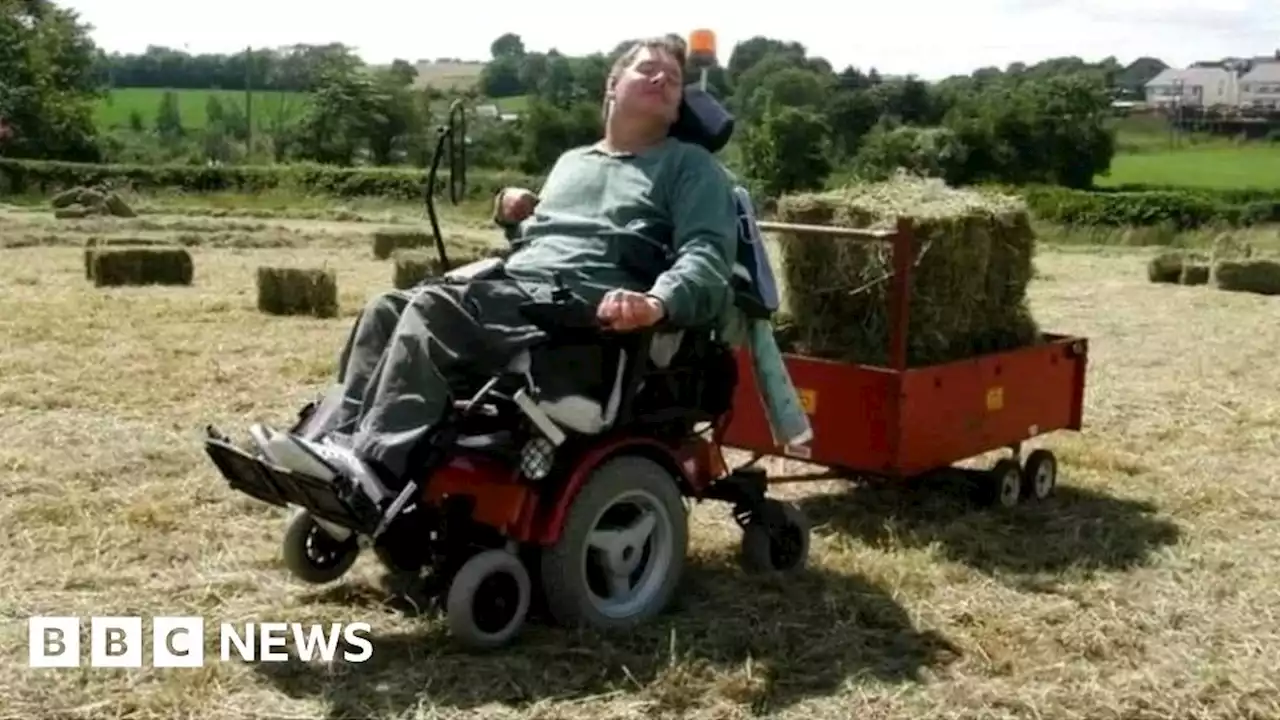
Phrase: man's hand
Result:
[623,310]
[514,205]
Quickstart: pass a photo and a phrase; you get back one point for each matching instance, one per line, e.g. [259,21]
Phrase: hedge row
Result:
[1183,209]
[1130,206]
[1234,196]
[46,178]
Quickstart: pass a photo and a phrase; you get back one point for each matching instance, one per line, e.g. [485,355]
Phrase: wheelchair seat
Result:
[587,415]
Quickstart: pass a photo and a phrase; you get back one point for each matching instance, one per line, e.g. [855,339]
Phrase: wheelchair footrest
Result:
[337,502]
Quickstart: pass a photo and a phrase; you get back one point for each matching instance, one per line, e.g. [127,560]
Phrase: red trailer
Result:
[899,422]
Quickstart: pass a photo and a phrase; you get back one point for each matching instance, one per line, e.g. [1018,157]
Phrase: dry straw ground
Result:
[1147,589]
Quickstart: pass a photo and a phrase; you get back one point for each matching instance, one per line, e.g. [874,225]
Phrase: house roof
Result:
[1189,76]
[1268,72]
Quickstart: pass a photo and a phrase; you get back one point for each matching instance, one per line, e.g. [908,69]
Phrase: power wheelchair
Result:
[575,495]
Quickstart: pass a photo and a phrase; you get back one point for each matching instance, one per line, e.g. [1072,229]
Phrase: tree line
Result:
[802,123]
[289,69]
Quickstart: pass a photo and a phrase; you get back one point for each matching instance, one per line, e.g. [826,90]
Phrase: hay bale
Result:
[116,266]
[1168,267]
[386,242]
[1165,268]
[416,266]
[66,198]
[297,291]
[969,286]
[72,212]
[91,198]
[1194,273]
[413,267]
[116,206]
[1261,277]
[96,243]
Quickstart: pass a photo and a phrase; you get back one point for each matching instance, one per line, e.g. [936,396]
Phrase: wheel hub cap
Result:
[627,555]
[1044,479]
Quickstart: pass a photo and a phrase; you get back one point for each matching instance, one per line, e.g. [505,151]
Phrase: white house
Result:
[1196,86]
[1260,87]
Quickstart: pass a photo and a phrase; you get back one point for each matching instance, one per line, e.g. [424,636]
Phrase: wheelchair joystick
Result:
[561,294]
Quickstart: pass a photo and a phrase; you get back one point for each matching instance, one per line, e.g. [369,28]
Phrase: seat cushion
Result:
[580,386]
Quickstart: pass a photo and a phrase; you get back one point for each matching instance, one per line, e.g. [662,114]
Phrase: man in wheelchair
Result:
[636,231]
[595,350]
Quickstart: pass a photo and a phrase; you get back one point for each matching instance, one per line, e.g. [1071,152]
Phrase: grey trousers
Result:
[444,335]
[364,348]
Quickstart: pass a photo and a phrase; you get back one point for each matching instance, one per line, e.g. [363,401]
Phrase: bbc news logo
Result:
[179,642]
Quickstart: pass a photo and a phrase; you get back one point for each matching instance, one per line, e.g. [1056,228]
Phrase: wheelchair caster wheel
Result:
[312,554]
[776,539]
[489,599]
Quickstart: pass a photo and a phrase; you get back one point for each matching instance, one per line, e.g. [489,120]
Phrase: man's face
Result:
[652,84]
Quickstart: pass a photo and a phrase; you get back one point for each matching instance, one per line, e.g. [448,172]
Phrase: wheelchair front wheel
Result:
[775,540]
[313,555]
[488,600]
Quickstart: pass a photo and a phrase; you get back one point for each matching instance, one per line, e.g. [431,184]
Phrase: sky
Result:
[930,38]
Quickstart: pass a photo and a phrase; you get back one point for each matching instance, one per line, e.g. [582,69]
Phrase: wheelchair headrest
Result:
[703,120]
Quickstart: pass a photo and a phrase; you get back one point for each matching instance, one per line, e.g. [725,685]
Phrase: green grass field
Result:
[269,106]
[1146,588]
[1217,166]
[115,108]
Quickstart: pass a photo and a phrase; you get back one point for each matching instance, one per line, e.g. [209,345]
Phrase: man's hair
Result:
[672,45]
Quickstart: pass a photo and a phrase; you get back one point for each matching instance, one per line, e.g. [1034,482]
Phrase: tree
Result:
[508,45]
[500,78]
[169,119]
[402,72]
[930,152]
[548,131]
[851,115]
[787,151]
[49,83]
[748,53]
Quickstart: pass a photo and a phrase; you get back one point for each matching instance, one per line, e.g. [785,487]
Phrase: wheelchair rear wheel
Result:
[622,551]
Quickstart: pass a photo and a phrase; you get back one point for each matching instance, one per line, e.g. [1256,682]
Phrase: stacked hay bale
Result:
[297,291]
[80,202]
[1179,267]
[968,288]
[416,266]
[115,265]
[386,242]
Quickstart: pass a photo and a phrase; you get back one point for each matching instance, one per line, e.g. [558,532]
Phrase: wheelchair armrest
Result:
[565,316]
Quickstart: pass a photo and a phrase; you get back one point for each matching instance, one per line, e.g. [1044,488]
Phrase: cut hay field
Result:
[1255,165]
[116,107]
[1149,588]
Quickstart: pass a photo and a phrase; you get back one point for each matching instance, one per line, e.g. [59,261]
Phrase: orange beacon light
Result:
[702,46]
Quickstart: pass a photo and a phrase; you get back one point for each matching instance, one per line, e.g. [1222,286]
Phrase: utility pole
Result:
[248,94]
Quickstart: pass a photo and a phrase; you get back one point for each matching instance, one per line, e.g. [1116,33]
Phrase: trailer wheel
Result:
[1003,484]
[1040,475]
[488,600]
[312,554]
[783,548]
